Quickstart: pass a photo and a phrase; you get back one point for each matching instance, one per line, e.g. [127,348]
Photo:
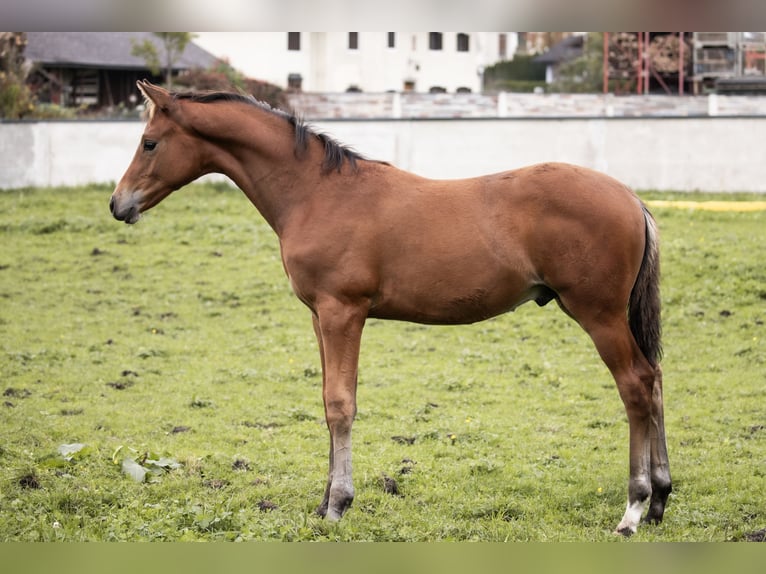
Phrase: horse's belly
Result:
[448,304]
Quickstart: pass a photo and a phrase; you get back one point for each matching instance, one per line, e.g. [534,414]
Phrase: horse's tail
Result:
[644,305]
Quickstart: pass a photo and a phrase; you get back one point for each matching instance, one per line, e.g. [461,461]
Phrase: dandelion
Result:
[452,437]
[468,420]
[599,490]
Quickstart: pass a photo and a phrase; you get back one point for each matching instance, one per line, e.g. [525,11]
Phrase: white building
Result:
[366,61]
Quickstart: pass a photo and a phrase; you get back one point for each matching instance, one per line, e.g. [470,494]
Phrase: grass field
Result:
[161,382]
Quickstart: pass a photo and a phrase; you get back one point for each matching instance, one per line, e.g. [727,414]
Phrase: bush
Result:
[15,98]
[526,86]
[522,74]
[223,77]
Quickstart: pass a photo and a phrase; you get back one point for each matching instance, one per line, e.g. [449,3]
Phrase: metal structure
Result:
[730,62]
[640,62]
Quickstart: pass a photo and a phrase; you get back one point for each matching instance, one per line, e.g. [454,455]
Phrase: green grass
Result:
[179,337]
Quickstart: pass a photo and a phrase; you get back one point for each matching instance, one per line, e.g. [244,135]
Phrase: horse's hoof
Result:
[626,531]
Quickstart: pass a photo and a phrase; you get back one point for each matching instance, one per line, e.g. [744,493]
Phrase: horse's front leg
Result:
[339,332]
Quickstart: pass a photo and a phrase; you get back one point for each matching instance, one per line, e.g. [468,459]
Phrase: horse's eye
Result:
[149,145]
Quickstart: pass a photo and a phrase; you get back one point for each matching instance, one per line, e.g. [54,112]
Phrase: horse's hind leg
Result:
[322,508]
[660,467]
[635,379]
[635,382]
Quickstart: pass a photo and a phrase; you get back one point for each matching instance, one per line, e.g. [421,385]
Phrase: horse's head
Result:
[167,158]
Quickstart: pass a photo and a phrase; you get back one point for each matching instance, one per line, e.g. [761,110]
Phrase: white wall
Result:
[65,153]
[708,154]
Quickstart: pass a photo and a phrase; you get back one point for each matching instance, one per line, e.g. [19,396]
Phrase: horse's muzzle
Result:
[129,214]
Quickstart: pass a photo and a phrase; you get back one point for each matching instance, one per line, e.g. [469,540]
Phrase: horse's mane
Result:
[335,154]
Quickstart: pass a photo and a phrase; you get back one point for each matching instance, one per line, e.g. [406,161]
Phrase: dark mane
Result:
[335,154]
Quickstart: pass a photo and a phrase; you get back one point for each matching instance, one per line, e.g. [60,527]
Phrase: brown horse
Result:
[362,239]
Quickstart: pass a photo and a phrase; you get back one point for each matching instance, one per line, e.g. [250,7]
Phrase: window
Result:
[293,40]
[502,46]
[353,40]
[434,40]
[462,42]
[392,39]
[294,82]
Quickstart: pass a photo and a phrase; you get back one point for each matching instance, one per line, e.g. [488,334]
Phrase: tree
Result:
[173,44]
[583,74]
[16,100]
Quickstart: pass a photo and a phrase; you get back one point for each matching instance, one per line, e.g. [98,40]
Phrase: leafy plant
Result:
[143,466]
[173,46]
[66,454]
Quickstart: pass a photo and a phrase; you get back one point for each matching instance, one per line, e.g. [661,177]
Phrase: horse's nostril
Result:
[111,204]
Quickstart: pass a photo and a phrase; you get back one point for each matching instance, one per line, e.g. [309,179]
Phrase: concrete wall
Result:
[65,153]
[407,105]
[683,153]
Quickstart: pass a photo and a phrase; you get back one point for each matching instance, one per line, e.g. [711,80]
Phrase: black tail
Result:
[644,305]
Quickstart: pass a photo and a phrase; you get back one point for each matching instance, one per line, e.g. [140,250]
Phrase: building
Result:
[566,50]
[730,62]
[363,61]
[97,68]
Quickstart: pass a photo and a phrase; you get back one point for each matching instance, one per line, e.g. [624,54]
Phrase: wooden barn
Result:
[97,69]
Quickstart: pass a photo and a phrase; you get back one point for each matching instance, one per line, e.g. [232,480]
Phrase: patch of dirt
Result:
[267,505]
[240,464]
[120,385]
[216,483]
[403,439]
[29,481]
[389,485]
[180,429]
[408,466]
[757,536]
[17,393]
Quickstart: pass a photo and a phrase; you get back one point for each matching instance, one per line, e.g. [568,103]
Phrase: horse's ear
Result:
[155,96]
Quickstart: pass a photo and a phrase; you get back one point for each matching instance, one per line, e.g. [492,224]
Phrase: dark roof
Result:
[104,50]
[568,49]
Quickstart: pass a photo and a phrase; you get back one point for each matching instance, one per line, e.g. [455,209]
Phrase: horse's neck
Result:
[257,154]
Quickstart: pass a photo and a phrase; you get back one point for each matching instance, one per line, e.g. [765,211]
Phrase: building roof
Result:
[568,49]
[104,50]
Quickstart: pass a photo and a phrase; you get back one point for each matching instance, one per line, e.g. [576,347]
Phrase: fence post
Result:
[502,104]
[396,105]
[712,104]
